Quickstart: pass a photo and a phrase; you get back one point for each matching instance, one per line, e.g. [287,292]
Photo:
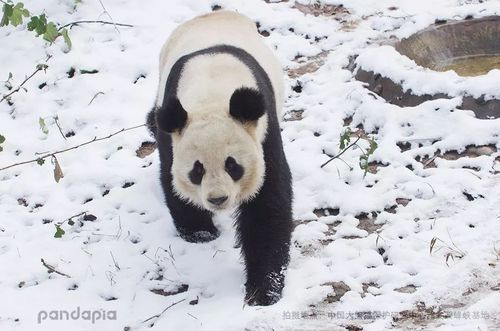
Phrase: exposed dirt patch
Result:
[403,201]
[147,148]
[339,289]
[365,287]
[293,115]
[406,289]
[180,289]
[420,316]
[367,223]
[470,151]
[309,65]
[317,9]
[326,212]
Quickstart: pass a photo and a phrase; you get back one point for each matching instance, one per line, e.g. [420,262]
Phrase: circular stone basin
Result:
[470,47]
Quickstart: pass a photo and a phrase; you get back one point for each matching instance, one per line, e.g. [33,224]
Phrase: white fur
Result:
[205,88]
[220,27]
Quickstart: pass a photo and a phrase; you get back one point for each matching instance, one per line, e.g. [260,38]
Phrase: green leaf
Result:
[43,126]
[363,162]
[7,13]
[42,66]
[59,231]
[345,138]
[51,33]
[373,146]
[71,222]
[40,161]
[2,139]
[18,12]
[38,24]
[66,37]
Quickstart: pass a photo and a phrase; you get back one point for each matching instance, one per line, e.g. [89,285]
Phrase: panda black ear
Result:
[247,105]
[171,116]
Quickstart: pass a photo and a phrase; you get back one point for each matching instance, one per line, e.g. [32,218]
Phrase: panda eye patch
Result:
[196,174]
[233,168]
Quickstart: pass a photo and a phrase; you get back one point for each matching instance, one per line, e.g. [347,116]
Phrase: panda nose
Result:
[217,201]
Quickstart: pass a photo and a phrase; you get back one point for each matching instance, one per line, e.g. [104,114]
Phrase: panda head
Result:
[218,160]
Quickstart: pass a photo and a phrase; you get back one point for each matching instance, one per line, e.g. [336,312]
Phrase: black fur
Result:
[196,174]
[246,105]
[192,223]
[264,224]
[171,116]
[151,122]
[234,170]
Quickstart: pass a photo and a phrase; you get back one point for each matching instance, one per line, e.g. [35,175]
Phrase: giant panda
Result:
[216,124]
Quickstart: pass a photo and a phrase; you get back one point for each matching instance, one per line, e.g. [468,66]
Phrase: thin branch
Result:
[74,216]
[52,269]
[362,150]
[6,96]
[56,119]
[109,15]
[164,310]
[347,164]
[39,67]
[95,22]
[429,161]
[71,148]
[95,96]
[338,155]
[114,261]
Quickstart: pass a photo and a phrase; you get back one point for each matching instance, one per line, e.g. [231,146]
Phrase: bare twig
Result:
[193,316]
[429,161]
[95,96]
[105,11]
[164,310]
[52,269]
[114,261]
[71,148]
[6,96]
[347,164]
[94,22]
[56,119]
[338,155]
[75,216]
[217,251]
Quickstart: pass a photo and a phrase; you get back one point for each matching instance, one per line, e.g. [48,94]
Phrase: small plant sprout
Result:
[345,144]
[451,251]
[60,231]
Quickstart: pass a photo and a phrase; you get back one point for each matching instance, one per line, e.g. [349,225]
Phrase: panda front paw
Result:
[268,291]
[259,297]
[199,236]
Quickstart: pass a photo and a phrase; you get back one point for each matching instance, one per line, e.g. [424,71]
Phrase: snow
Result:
[377,246]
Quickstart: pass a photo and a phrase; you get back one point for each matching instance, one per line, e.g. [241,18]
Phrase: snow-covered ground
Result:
[361,258]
